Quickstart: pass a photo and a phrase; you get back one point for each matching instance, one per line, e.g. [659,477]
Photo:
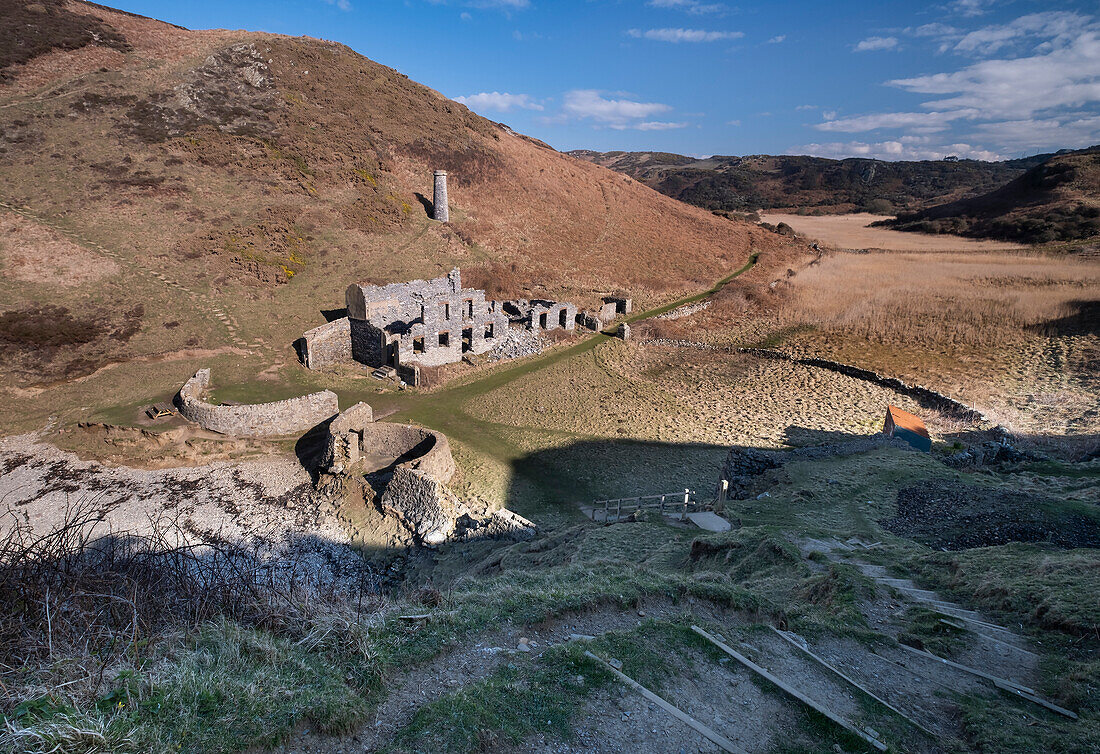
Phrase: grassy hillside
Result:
[219,189]
[1056,201]
[737,184]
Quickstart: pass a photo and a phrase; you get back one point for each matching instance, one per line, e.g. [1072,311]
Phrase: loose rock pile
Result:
[517,344]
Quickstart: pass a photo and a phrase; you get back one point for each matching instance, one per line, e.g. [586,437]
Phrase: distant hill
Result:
[739,184]
[1058,200]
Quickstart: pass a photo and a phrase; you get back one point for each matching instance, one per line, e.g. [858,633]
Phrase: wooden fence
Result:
[680,503]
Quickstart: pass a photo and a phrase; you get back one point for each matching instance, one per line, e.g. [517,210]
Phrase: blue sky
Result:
[987,79]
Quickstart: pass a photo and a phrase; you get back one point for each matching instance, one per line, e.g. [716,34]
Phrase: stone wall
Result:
[551,315]
[589,321]
[328,344]
[288,417]
[367,343]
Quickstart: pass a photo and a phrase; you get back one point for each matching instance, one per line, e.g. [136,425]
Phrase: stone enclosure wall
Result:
[287,417]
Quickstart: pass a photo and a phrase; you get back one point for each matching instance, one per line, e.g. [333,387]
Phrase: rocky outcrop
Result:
[745,468]
[434,514]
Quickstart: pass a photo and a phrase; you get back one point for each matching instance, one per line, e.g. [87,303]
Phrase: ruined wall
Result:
[288,417]
[366,343]
[551,315]
[328,344]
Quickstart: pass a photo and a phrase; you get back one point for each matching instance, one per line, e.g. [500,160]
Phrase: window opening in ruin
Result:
[418,345]
[468,307]
[620,307]
[489,331]
[446,311]
[444,340]
[467,339]
[543,320]
[563,318]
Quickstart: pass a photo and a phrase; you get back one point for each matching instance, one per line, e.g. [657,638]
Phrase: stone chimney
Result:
[439,199]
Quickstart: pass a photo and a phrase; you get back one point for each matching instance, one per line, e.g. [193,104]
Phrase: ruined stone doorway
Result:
[544,320]
[467,339]
[563,318]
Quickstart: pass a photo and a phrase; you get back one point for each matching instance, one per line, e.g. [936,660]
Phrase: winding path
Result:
[201,301]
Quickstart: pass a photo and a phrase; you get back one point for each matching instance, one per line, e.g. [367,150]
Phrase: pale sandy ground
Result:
[268,505]
[851,232]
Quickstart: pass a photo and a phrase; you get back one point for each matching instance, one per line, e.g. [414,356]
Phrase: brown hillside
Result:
[1056,201]
[259,174]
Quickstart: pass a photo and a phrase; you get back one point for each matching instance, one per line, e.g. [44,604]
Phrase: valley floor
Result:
[853,554]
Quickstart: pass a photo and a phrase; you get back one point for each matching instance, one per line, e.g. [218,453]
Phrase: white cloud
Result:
[499,101]
[1069,132]
[1058,26]
[695,7]
[969,8]
[1042,91]
[777,39]
[465,16]
[733,122]
[807,107]
[828,114]
[343,5]
[894,150]
[591,104]
[915,122]
[934,30]
[650,125]
[684,35]
[877,43]
[1010,88]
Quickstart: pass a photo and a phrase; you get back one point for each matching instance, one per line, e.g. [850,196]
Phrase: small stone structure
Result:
[623,331]
[614,306]
[589,321]
[440,210]
[414,465]
[358,443]
[288,417]
[327,345]
[424,323]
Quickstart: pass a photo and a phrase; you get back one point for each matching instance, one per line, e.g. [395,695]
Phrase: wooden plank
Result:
[879,745]
[825,664]
[676,712]
[1005,685]
[1037,700]
[966,668]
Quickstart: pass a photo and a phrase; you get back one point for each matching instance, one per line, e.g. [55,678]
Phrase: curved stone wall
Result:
[413,447]
[354,436]
[288,417]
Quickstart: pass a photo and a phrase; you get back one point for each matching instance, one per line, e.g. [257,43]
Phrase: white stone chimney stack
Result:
[439,199]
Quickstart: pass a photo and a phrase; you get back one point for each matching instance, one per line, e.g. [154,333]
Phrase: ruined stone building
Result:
[427,322]
[424,323]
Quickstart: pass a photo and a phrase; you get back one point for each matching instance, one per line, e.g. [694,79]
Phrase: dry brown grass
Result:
[938,300]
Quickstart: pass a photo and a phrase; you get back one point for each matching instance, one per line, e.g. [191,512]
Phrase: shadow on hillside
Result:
[429,205]
[547,484]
